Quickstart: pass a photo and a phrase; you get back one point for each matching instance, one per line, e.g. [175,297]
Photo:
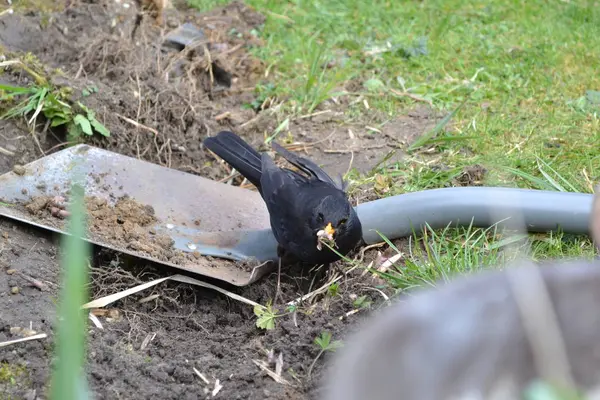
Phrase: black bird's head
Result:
[336,217]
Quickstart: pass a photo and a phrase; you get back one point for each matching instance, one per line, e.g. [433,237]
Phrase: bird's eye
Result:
[320,218]
[343,221]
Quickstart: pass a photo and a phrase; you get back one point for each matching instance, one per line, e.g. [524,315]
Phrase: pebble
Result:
[19,169]
[15,290]
[11,271]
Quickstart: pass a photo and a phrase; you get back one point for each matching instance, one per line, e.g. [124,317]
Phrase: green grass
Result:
[68,377]
[54,103]
[525,71]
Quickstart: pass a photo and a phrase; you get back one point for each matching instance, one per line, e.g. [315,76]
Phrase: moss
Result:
[10,373]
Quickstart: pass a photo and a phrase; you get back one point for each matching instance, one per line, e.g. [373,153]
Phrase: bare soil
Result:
[159,104]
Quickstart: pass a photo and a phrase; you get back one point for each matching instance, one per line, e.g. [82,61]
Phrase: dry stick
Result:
[6,152]
[34,337]
[137,124]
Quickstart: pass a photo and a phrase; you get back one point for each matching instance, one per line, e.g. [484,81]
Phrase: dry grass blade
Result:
[201,376]
[35,337]
[315,292]
[262,365]
[6,152]
[106,300]
[95,321]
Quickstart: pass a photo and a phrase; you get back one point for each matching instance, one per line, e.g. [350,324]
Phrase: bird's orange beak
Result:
[329,229]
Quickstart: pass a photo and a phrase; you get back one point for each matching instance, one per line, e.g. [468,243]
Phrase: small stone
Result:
[15,290]
[11,271]
[19,170]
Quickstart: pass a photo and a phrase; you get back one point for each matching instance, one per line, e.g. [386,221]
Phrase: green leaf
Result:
[373,85]
[15,89]
[266,317]
[101,129]
[83,122]
[57,121]
[362,302]
[73,130]
[325,343]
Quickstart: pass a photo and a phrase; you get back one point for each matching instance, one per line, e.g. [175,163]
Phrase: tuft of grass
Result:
[42,98]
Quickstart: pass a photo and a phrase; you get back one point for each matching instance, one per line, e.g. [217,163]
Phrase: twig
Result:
[337,151]
[276,378]
[201,376]
[137,124]
[6,152]
[314,292]
[37,283]
[411,96]
[104,301]
[34,337]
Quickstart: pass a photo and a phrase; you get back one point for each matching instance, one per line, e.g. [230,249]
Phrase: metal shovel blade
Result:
[201,216]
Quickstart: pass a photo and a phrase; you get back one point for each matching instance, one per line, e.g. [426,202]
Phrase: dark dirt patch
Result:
[159,104]
[339,146]
[472,175]
[150,349]
[26,253]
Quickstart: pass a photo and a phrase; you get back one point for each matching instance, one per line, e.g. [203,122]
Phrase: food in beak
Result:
[325,235]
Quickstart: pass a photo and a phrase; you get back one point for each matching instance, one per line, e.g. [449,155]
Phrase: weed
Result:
[51,102]
[334,289]
[362,302]
[266,316]
[324,343]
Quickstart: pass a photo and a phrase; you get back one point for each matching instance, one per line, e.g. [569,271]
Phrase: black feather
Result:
[237,153]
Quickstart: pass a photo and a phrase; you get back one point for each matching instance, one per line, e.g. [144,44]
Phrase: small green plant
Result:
[266,316]
[362,302]
[319,84]
[334,289]
[324,343]
[51,102]
[264,92]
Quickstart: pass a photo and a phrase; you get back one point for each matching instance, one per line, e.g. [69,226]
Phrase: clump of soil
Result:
[472,175]
[126,225]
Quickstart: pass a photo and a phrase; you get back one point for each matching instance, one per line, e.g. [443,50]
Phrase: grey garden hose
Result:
[541,210]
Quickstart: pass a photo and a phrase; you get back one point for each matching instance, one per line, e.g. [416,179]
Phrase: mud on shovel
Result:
[198,214]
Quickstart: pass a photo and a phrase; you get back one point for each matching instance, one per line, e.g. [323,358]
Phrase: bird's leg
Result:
[280,255]
[278,282]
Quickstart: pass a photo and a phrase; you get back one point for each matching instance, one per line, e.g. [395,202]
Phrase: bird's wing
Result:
[306,165]
[286,201]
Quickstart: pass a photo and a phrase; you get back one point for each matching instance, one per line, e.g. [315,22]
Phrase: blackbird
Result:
[303,205]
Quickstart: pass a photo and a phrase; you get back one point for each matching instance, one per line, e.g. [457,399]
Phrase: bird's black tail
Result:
[237,153]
